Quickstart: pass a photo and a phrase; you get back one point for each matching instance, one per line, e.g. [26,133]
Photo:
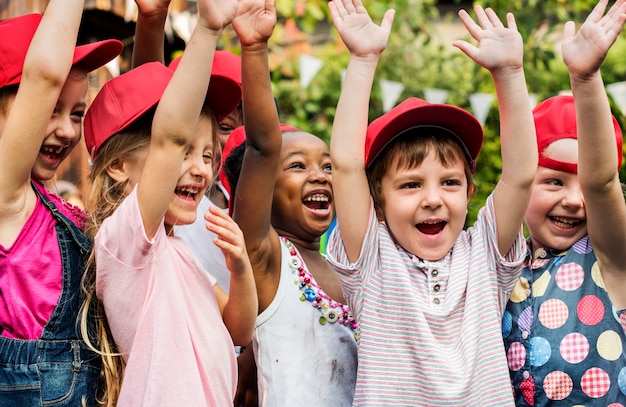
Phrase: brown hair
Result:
[409,151]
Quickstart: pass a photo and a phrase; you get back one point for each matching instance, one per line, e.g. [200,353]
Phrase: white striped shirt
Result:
[430,331]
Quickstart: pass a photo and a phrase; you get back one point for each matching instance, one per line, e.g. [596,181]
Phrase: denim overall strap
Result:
[57,369]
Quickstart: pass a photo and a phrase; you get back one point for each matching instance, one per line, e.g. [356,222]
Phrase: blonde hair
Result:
[105,196]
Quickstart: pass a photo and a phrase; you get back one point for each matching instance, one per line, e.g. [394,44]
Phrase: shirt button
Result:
[436,288]
[434,273]
[436,301]
[524,334]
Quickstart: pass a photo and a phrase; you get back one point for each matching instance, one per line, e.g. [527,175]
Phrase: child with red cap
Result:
[43,97]
[428,295]
[281,196]
[564,324]
[225,84]
[173,326]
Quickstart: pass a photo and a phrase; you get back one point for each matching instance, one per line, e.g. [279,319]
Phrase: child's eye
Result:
[555,182]
[296,166]
[451,182]
[327,167]
[208,158]
[225,129]
[410,185]
[78,115]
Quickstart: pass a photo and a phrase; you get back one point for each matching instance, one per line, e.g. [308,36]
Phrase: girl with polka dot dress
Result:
[564,324]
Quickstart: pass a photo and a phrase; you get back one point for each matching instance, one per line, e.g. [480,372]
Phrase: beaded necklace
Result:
[332,311]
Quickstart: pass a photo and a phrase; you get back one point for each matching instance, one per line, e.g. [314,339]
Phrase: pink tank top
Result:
[31,272]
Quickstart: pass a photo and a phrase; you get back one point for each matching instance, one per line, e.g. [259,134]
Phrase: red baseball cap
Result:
[555,119]
[122,100]
[417,113]
[236,138]
[17,34]
[224,93]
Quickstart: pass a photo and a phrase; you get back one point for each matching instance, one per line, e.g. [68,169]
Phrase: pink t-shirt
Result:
[30,271]
[164,316]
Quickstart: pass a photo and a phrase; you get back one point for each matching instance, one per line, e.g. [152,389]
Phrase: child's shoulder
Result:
[75,214]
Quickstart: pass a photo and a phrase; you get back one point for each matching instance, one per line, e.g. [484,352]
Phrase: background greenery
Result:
[420,56]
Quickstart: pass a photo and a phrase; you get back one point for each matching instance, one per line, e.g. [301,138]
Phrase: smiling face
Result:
[195,175]
[303,199]
[426,205]
[556,216]
[64,128]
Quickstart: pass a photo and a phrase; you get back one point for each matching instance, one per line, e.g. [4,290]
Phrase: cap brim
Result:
[96,54]
[454,119]
[88,57]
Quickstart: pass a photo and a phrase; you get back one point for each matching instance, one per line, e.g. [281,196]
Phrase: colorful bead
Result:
[332,311]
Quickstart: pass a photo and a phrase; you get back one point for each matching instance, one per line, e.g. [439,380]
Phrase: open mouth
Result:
[53,153]
[317,202]
[565,223]
[187,193]
[431,228]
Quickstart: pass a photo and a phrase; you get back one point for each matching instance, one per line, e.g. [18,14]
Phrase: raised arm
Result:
[365,41]
[598,173]
[46,68]
[178,112]
[254,25]
[500,50]
[150,31]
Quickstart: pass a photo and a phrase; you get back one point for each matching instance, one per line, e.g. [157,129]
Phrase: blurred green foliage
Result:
[420,56]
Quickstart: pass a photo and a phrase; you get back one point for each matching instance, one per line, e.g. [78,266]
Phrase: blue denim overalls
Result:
[57,369]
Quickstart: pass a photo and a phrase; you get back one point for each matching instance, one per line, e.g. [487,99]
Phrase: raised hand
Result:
[229,239]
[357,30]
[499,47]
[216,14]
[255,21]
[150,8]
[585,50]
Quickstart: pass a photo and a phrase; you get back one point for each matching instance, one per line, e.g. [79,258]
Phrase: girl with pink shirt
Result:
[43,97]
[150,133]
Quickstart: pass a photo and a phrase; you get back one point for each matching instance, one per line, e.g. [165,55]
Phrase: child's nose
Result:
[573,197]
[64,129]
[432,197]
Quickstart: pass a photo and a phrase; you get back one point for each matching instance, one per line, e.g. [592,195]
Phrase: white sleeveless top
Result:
[300,360]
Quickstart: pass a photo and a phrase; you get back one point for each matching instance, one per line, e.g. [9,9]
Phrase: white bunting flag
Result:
[391,91]
[433,95]
[533,98]
[617,91]
[113,66]
[309,66]
[481,104]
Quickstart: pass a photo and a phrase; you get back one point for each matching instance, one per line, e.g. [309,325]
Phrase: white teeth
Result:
[317,198]
[52,150]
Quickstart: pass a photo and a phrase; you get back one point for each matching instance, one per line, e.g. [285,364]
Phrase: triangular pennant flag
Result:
[309,66]
[391,91]
[533,98]
[617,91]
[182,23]
[435,95]
[131,11]
[113,66]
[481,104]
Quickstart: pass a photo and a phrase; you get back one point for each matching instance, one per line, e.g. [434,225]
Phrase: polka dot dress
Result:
[563,338]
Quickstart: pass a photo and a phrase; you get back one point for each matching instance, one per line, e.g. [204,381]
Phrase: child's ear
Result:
[118,169]
[470,191]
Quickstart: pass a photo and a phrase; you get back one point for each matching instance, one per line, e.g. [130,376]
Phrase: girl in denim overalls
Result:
[43,89]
